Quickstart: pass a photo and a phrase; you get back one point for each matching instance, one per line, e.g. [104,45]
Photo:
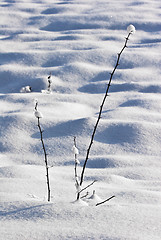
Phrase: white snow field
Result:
[77,42]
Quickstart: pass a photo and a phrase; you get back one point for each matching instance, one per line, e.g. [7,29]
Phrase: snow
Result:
[77,42]
[75,150]
[38,114]
[25,89]
[131,29]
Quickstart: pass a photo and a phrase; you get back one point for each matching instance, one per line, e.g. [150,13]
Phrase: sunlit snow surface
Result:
[77,42]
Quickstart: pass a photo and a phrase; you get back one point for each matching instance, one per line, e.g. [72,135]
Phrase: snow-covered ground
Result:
[77,41]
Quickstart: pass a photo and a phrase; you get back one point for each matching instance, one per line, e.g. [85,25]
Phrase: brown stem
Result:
[46,161]
[101,108]
[49,82]
[75,170]
[105,201]
[87,186]
[85,195]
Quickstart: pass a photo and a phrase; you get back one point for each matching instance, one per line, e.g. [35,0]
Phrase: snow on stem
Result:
[38,115]
[77,182]
[76,152]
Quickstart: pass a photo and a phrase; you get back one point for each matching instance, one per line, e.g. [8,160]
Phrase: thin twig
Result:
[105,201]
[45,153]
[49,83]
[87,186]
[36,104]
[85,195]
[77,184]
[76,163]
[46,161]
[101,108]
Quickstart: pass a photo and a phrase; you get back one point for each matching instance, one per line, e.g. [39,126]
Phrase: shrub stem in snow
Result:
[38,115]
[76,152]
[49,83]
[87,186]
[105,201]
[77,183]
[131,30]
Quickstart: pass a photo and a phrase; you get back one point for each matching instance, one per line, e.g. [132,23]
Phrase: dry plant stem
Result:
[105,201]
[46,160]
[76,164]
[75,169]
[85,195]
[101,108]
[49,83]
[36,104]
[76,175]
[87,186]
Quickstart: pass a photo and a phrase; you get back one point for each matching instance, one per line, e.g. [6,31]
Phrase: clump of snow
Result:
[131,29]
[94,199]
[75,150]
[26,89]
[76,153]
[46,91]
[38,114]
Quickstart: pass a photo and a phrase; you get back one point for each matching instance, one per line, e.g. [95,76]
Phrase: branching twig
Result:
[85,195]
[101,107]
[87,186]
[77,183]
[105,201]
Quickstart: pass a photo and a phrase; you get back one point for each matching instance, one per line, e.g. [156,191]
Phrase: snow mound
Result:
[76,42]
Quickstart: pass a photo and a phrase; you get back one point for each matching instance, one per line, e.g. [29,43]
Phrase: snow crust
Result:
[77,42]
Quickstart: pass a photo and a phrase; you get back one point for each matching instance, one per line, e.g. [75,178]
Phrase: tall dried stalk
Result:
[38,116]
[101,107]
